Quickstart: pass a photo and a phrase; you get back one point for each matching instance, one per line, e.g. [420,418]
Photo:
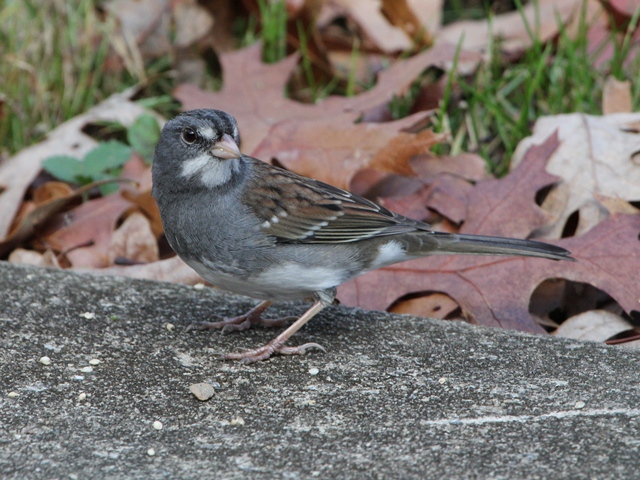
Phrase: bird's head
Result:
[198,148]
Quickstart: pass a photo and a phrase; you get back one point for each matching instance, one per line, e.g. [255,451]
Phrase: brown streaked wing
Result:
[297,209]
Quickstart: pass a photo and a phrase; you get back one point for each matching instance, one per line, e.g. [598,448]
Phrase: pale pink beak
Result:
[227,148]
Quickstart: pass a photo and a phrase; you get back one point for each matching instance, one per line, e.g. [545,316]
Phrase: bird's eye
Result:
[189,135]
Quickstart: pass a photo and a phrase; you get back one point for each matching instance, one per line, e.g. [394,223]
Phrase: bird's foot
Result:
[263,353]
[242,322]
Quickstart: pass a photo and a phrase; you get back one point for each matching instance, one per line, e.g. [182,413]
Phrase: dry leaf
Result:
[600,47]
[428,12]
[85,232]
[145,202]
[450,188]
[137,173]
[144,25]
[616,204]
[543,18]
[595,325]
[507,207]
[42,214]
[133,240]
[323,141]
[192,22]
[368,15]
[464,165]
[334,151]
[31,257]
[443,185]
[598,155]
[449,196]
[401,14]
[397,79]
[616,96]
[387,25]
[412,204]
[433,305]
[254,91]
[621,10]
[18,172]
[51,190]
[496,291]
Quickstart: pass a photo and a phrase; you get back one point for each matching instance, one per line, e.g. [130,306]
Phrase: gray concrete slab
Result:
[393,396]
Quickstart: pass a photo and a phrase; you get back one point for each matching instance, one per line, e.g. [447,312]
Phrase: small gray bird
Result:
[258,230]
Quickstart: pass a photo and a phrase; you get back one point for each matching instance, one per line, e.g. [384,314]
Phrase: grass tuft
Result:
[274,30]
[502,100]
[52,68]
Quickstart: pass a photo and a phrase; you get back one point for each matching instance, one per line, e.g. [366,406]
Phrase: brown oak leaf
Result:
[85,232]
[496,291]
[598,155]
[325,140]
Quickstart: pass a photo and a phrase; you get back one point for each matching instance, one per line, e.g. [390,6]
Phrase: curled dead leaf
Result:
[375,26]
[84,233]
[432,305]
[18,172]
[513,28]
[145,202]
[51,190]
[615,204]
[402,14]
[596,156]
[31,257]
[133,240]
[42,213]
[595,325]
[497,291]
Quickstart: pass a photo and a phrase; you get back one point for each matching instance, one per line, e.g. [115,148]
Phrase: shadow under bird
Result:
[258,230]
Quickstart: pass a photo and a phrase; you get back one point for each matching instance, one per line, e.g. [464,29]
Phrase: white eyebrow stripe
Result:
[208,133]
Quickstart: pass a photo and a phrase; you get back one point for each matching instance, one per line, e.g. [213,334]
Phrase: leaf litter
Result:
[568,165]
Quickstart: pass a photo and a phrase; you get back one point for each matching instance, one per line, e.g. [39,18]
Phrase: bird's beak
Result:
[227,148]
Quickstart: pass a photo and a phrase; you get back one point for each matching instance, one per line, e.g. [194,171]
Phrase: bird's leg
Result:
[276,345]
[243,322]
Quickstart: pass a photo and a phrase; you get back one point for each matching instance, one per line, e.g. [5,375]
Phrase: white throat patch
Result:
[211,171]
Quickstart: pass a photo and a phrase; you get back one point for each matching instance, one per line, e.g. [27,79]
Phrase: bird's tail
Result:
[483,245]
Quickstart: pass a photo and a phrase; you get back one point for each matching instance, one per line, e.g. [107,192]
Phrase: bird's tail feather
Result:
[484,245]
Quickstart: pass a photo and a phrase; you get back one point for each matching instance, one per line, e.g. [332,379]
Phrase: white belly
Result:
[289,281]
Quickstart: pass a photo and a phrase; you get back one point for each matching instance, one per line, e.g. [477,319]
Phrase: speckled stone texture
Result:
[393,396]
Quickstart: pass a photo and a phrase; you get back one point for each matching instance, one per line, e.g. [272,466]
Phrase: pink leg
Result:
[243,322]
[277,344]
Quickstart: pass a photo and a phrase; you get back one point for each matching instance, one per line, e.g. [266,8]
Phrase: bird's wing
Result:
[296,209]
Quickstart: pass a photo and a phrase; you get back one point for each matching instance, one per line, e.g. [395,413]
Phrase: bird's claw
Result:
[265,352]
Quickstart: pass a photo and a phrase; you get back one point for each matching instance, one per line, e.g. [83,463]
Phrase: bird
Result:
[255,229]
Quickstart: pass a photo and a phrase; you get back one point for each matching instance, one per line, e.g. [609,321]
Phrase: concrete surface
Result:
[393,397]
